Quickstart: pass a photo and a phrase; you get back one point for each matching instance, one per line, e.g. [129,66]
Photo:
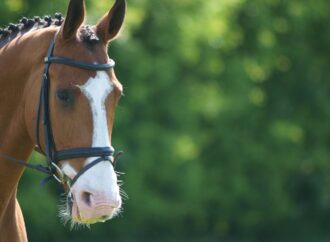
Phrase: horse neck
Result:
[20,76]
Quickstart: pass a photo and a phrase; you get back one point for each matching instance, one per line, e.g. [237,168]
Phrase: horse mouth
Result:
[77,218]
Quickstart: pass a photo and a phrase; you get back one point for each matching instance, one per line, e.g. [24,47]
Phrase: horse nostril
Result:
[86,197]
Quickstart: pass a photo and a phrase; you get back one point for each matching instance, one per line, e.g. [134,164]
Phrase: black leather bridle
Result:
[52,154]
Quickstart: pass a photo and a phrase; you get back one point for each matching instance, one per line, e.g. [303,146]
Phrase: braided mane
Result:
[25,25]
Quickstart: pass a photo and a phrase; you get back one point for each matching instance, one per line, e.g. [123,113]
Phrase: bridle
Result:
[53,155]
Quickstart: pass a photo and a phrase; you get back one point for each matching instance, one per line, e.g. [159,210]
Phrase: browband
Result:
[80,64]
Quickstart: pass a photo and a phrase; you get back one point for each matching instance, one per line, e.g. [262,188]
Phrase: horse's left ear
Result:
[110,24]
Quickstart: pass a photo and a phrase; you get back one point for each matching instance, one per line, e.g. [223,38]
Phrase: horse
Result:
[58,92]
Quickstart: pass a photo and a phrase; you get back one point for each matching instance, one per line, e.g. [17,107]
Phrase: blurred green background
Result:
[225,123]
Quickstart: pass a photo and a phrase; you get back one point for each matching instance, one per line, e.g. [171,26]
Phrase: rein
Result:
[53,155]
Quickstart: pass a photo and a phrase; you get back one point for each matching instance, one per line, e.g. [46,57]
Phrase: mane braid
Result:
[25,25]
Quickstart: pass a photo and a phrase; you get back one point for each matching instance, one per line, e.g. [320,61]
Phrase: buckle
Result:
[61,178]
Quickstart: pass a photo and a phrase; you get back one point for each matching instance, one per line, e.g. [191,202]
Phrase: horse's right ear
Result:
[74,18]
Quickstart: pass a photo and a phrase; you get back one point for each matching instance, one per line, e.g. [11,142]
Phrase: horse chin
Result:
[77,218]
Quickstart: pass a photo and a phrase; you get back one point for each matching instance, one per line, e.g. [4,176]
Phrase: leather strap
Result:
[84,152]
[37,167]
[80,64]
[87,167]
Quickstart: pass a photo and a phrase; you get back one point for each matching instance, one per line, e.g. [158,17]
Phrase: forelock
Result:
[88,35]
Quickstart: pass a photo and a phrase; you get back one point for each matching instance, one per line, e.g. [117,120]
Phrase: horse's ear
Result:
[74,18]
[109,25]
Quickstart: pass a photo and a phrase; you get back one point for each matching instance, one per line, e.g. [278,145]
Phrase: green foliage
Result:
[225,122]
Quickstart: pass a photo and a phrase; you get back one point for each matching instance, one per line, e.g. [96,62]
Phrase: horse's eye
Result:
[65,96]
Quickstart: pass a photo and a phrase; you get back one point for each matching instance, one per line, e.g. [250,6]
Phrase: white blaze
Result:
[97,89]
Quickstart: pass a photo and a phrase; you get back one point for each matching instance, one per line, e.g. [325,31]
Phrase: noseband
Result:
[52,154]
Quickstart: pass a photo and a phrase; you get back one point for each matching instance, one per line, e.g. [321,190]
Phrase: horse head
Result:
[79,104]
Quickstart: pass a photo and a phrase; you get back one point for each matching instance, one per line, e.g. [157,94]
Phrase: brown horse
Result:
[75,108]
